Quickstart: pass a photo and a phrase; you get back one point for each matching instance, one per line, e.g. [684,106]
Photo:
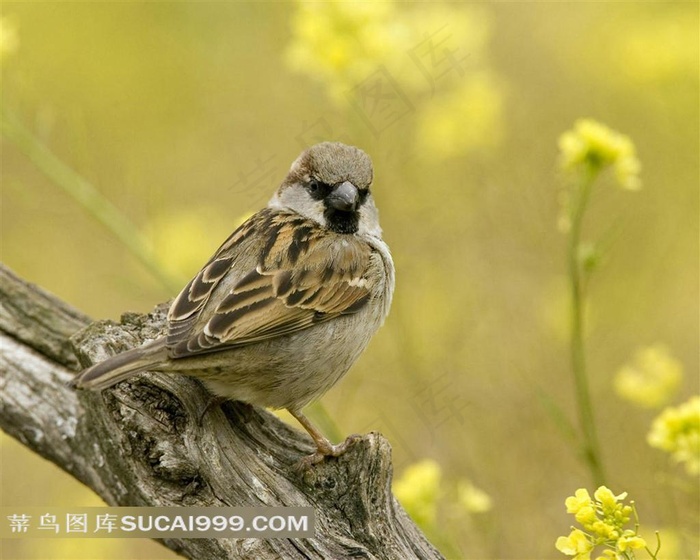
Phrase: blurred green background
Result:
[186,117]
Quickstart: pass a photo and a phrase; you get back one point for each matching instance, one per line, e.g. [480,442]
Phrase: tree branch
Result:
[142,443]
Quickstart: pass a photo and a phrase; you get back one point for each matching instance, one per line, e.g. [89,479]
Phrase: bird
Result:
[288,302]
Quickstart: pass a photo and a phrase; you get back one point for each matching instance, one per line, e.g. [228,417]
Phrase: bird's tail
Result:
[119,367]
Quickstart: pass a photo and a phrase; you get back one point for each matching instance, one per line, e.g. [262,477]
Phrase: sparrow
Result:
[287,304]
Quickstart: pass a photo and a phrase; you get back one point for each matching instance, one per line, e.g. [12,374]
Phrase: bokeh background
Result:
[186,117]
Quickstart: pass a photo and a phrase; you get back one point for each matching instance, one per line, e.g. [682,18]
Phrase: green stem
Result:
[85,194]
[591,448]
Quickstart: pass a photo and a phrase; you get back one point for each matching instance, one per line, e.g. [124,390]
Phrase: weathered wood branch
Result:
[146,443]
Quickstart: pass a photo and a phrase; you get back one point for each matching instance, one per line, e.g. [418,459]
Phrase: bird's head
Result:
[330,184]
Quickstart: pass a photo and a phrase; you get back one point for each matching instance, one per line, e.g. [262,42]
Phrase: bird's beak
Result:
[344,197]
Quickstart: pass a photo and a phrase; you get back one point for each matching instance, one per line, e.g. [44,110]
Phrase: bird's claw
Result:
[326,449]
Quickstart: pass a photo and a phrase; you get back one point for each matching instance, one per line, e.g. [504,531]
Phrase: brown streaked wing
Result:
[304,279]
[197,292]
[185,310]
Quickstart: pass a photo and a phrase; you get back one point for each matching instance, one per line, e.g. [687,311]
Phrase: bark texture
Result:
[147,441]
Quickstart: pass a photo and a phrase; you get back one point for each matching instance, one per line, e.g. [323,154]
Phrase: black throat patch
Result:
[342,222]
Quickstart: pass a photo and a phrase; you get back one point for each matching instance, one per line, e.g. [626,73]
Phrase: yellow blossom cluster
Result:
[340,43]
[592,146]
[420,491]
[651,379]
[639,64]
[603,518]
[677,431]
[464,119]
[431,56]
[9,39]
[472,498]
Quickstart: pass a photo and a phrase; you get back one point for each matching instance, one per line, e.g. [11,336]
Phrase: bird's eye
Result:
[317,189]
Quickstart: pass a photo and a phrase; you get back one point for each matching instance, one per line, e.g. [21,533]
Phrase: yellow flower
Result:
[418,491]
[630,540]
[576,544]
[595,146]
[446,43]
[473,499]
[677,431]
[642,63]
[340,43]
[586,516]
[466,118]
[607,499]
[389,59]
[651,379]
[9,40]
[603,517]
[581,498]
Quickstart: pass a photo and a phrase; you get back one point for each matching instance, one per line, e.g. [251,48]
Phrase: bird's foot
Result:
[326,449]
